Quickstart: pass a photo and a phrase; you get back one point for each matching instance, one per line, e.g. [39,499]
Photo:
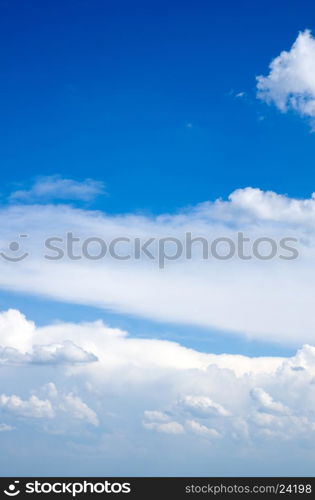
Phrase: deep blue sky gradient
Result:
[105,89]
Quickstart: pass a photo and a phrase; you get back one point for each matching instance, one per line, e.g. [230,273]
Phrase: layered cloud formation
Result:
[148,406]
[291,80]
[268,299]
[131,396]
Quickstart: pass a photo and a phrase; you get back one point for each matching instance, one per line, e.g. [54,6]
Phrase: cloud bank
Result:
[221,413]
[269,300]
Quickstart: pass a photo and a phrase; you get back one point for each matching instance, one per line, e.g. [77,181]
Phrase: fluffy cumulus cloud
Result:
[290,83]
[198,428]
[65,352]
[17,344]
[267,403]
[195,410]
[50,407]
[268,299]
[202,406]
[33,407]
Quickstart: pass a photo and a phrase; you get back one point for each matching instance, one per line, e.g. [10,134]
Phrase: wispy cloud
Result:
[6,428]
[58,188]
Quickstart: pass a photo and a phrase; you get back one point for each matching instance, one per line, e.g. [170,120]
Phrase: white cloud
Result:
[161,422]
[62,353]
[202,430]
[54,404]
[58,188]
[70,404]
[65,352]
[33,407]
[167,428]
[267,403]
[291,80]
[268,300]
[154,415]
[202,406]
[143,390]
[113,348]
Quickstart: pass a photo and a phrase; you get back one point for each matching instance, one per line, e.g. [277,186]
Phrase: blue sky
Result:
[151,108]
[107,89]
